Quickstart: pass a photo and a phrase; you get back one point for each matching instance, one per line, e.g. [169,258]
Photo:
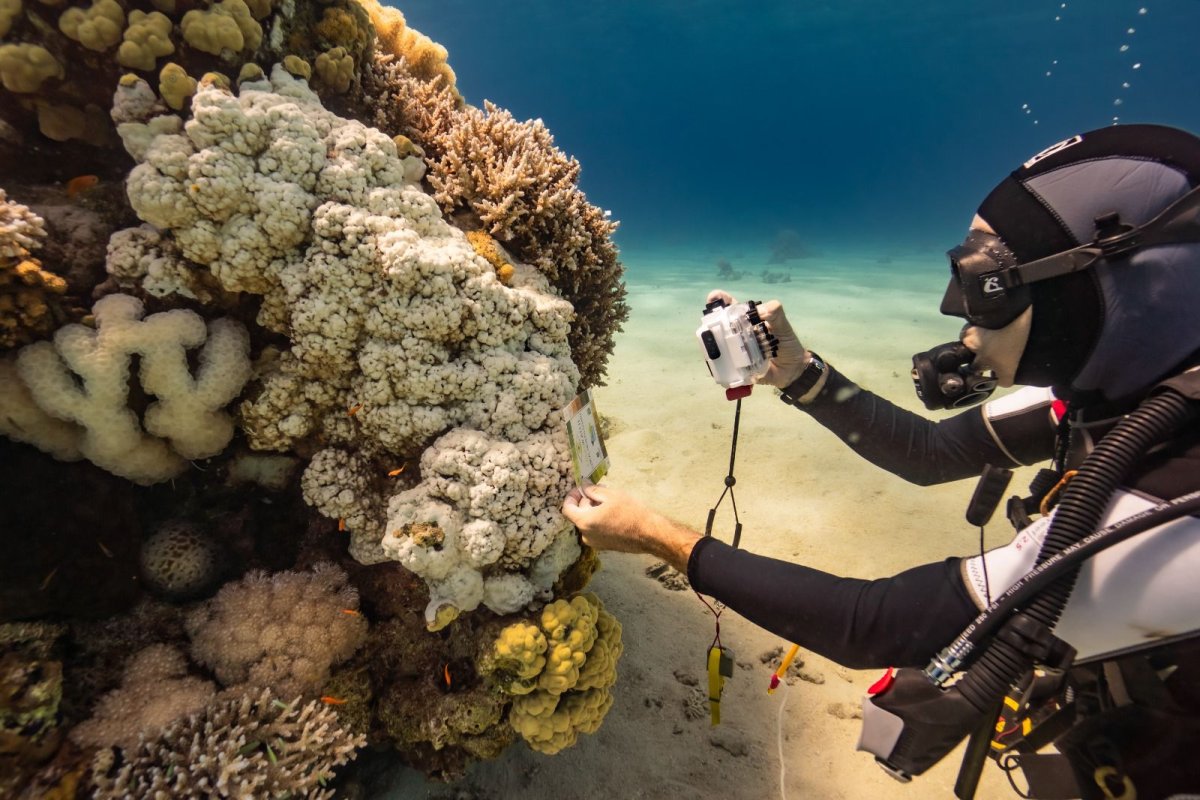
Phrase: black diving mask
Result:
[990,289]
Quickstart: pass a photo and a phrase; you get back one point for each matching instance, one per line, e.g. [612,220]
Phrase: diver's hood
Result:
[1108,333]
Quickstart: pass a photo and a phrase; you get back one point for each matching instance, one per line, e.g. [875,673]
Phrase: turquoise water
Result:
[709,127]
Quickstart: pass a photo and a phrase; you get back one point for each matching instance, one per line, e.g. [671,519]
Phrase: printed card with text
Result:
[589,458]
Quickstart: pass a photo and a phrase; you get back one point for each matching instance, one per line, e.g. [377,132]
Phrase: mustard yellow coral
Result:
[520,651]
[227,25]
[491,251]
[24,67]
[27,292]
[147,39]
[335,68]
[561,671]
[96,28]
[175,85]
[9,11]
[297,66]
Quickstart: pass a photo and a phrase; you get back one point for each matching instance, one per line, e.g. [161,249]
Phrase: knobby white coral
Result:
[83,378]
[390,313]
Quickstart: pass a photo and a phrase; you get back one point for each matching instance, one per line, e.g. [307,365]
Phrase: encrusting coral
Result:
[252,745]
[155,692]
[560,671]
[30,696]
[283,631]
[28,293]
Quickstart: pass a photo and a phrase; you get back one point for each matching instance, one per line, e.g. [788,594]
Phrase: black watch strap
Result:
[792,393]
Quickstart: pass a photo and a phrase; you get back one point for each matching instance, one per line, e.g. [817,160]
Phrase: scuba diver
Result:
[1079,281]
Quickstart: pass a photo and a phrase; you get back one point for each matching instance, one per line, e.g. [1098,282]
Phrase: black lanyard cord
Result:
[729,482]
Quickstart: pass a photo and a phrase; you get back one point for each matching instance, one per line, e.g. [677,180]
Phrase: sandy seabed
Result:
[801,496]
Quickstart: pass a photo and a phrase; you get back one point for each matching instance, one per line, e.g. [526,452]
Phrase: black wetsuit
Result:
[904,619]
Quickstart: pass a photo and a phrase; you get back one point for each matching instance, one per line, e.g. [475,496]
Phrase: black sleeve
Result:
[917,449]
[899,621]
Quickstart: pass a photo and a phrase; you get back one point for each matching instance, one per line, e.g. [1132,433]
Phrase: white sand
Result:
[803,496]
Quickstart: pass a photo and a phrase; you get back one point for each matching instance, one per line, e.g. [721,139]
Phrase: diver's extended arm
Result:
[896,621]
[926,452]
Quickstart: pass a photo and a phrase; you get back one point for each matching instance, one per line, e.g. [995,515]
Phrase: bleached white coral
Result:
[83,378]
[489,507]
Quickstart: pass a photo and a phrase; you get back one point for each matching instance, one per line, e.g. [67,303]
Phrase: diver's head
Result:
[1074,277]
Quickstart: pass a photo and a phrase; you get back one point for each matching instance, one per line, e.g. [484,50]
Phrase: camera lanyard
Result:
[719,665]
[729,482]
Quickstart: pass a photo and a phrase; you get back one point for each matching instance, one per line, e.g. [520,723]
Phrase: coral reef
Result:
[277,297]
[252,745]
[560,671]
[155,692]
[284,630]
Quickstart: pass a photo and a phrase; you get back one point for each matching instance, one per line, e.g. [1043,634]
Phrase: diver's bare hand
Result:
[610,519]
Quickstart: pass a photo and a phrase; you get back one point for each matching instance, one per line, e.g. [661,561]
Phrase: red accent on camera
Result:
[738,392]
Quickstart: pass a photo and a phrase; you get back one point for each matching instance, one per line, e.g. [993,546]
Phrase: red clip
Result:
[738,392]
[884,683]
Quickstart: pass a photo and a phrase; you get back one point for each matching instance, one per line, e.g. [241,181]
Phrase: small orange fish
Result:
[351,612]
[80,184]
[446,673]
[341,524]
[330,700]
[354,409]
[396,472]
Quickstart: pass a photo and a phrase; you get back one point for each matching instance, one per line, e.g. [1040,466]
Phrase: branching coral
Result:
[83,378]
[560,671]
[425,57]
[510,175]
[155,692]
[284,630]
[252,745]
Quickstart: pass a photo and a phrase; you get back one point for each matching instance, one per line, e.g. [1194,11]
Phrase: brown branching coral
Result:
[28,293]
[507,175]
[252,745]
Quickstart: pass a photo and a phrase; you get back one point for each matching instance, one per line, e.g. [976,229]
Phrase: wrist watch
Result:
[812,373]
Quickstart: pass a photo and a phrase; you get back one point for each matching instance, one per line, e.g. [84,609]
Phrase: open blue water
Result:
[867,128]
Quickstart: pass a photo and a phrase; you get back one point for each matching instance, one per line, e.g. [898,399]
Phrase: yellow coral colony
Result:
[175,85]
[147,38]
[97,28]
[24,67]
[227,25]
[561,671]
[491,251]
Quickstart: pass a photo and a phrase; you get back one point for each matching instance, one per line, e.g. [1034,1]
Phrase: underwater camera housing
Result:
[737,345]
[946,377]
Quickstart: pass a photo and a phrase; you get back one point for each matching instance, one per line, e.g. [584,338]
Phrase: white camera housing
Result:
[736,345]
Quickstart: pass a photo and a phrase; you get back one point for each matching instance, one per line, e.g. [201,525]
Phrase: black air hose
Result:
[1084,501]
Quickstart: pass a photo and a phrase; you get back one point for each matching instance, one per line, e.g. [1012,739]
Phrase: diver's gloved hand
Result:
[791,357]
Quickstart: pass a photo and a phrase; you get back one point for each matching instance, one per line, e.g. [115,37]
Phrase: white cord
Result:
[779,739]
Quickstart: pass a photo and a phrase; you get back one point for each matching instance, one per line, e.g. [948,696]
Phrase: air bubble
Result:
[1058,19]
[1124,48]
[1131,31]
[1142,11]
[1025,106]
[1137,65]
[1047,73]
[1125,85]
[1055,62]
[1064,5]
[1117,102]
